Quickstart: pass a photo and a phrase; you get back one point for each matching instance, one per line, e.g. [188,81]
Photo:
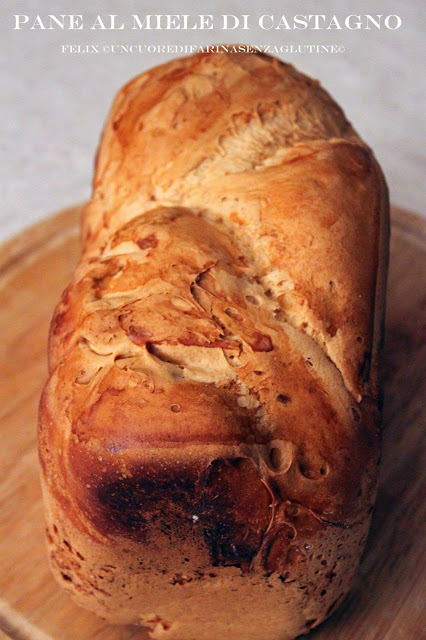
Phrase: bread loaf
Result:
[209,434]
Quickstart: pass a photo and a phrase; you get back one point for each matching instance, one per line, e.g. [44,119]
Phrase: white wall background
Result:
[52,104]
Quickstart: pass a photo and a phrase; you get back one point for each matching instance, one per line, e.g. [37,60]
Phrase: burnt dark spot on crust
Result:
[123,502]
[261,342]
[283,398]
[150,499]
[148,242]
[230,500]
[236,508]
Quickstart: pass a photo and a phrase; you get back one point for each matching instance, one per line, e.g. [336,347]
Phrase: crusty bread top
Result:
[250,140]
[228,290]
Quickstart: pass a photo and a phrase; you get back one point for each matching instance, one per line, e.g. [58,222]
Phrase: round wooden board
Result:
[386,602]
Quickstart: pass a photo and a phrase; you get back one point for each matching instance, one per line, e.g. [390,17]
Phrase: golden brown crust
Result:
[213,365]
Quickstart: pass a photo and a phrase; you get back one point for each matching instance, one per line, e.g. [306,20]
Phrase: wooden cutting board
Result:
[386,602]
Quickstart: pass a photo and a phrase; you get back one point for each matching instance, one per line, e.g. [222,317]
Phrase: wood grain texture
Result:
[387,600]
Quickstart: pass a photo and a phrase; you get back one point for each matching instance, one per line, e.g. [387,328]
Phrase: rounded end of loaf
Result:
[171,587]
